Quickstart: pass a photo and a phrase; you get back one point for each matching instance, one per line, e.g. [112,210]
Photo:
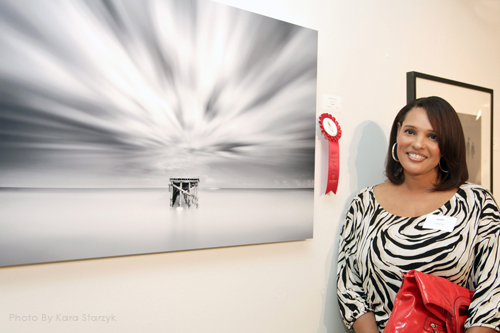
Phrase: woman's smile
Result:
[416,157]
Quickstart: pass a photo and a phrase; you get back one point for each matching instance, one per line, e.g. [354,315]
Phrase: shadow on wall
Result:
[366,165]
[367,156]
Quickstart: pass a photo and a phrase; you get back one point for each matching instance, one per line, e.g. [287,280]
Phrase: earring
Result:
[441,168]
[393,154]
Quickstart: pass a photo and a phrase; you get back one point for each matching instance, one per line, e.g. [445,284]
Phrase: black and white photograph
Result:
[146,126]
[472,126]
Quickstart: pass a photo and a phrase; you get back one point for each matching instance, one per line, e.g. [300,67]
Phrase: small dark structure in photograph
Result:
[183,191]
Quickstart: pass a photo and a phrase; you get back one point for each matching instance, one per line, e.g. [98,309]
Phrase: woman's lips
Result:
[416,157]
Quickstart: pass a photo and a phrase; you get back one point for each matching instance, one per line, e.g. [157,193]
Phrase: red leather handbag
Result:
[429,304]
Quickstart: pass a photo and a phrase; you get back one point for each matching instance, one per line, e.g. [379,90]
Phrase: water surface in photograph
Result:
[47,225]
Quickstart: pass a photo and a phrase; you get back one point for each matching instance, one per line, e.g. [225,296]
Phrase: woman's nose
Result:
[419,141]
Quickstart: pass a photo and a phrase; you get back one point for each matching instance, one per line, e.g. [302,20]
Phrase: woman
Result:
[387,231]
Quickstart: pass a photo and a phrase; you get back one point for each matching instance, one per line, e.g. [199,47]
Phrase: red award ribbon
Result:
[331,129]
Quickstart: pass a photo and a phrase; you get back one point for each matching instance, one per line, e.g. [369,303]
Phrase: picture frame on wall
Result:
[474,105]
[139,127]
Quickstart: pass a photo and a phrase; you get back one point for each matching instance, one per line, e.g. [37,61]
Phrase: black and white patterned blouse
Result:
[376,247]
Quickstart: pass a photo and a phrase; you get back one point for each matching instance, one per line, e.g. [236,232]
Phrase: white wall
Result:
[365,50]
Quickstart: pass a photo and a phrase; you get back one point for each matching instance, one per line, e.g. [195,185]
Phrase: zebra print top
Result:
[376,247]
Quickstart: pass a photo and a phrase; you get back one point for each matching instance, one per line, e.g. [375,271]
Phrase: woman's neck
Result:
[420,183]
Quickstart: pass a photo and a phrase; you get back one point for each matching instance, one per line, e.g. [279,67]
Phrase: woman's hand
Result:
[367,324]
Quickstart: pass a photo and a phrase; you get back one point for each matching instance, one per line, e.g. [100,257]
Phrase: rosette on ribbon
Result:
[331,129]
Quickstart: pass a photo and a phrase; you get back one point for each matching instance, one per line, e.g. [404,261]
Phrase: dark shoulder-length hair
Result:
[451,141]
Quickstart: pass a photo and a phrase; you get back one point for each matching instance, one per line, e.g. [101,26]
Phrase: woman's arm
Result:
[483,309]
[367,324]
[350,291]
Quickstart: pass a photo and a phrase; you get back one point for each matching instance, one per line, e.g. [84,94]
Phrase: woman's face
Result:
[418,149]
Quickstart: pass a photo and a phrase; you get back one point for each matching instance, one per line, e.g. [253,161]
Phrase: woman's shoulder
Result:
[365,197]
[472,186]
[362,203]
[365,192]
[371,191]
[474,189]
[476,194]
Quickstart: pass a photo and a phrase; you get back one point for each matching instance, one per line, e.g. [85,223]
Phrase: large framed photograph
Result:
[474,106]
[146,126]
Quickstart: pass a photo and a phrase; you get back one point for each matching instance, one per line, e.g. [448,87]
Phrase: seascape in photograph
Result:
[144,126]
[56,225]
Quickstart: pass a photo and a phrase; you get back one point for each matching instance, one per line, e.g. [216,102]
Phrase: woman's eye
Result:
[433,136]
[410,131]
